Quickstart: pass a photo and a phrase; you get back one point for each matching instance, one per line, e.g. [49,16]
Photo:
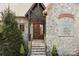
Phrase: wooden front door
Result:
[38,30]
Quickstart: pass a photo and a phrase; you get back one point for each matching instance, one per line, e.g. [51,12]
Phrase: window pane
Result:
[22,27]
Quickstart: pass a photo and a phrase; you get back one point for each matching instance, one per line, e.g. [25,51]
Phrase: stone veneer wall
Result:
[25,22]
[67,43]
[25,33]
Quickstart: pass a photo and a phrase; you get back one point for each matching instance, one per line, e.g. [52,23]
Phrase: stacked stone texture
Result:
[65,44]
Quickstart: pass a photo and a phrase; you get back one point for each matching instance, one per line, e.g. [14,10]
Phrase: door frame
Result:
[31,27]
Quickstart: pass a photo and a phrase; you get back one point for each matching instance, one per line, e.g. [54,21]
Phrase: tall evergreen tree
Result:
[12,36]
[1,36]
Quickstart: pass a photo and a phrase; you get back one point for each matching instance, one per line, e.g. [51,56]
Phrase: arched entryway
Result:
[36,21]
[36,29]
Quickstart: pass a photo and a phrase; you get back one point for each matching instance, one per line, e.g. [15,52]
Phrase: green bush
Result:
[1,38]
[0,35]
[11,36]
[54,51]
[22,50]
[1,27]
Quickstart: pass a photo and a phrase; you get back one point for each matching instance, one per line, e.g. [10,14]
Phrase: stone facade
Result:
[62,28]
[23,20]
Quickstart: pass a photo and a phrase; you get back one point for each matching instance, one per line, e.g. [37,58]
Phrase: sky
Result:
[19,9]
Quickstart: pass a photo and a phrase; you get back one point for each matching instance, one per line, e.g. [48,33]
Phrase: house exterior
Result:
[57,24]
[62,28]
[36,21]
[32,10]
[36,29]
[30,21]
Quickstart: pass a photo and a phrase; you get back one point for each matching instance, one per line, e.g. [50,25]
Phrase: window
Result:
[66,25]
[21,27]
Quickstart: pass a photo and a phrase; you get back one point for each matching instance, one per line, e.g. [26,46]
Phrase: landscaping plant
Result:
[12,40]
[54,51]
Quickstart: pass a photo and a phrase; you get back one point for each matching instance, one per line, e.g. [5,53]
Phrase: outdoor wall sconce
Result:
[45,13]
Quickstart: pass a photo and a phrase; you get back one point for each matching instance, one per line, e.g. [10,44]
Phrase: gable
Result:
[36,11]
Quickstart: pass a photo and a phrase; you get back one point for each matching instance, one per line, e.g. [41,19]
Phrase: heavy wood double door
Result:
[38,30]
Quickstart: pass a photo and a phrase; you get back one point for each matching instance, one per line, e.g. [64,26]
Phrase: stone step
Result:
[37,42]
[38,47]
[38,50]
[38,53]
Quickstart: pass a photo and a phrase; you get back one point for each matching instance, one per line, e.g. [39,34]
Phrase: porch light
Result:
[45,13]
